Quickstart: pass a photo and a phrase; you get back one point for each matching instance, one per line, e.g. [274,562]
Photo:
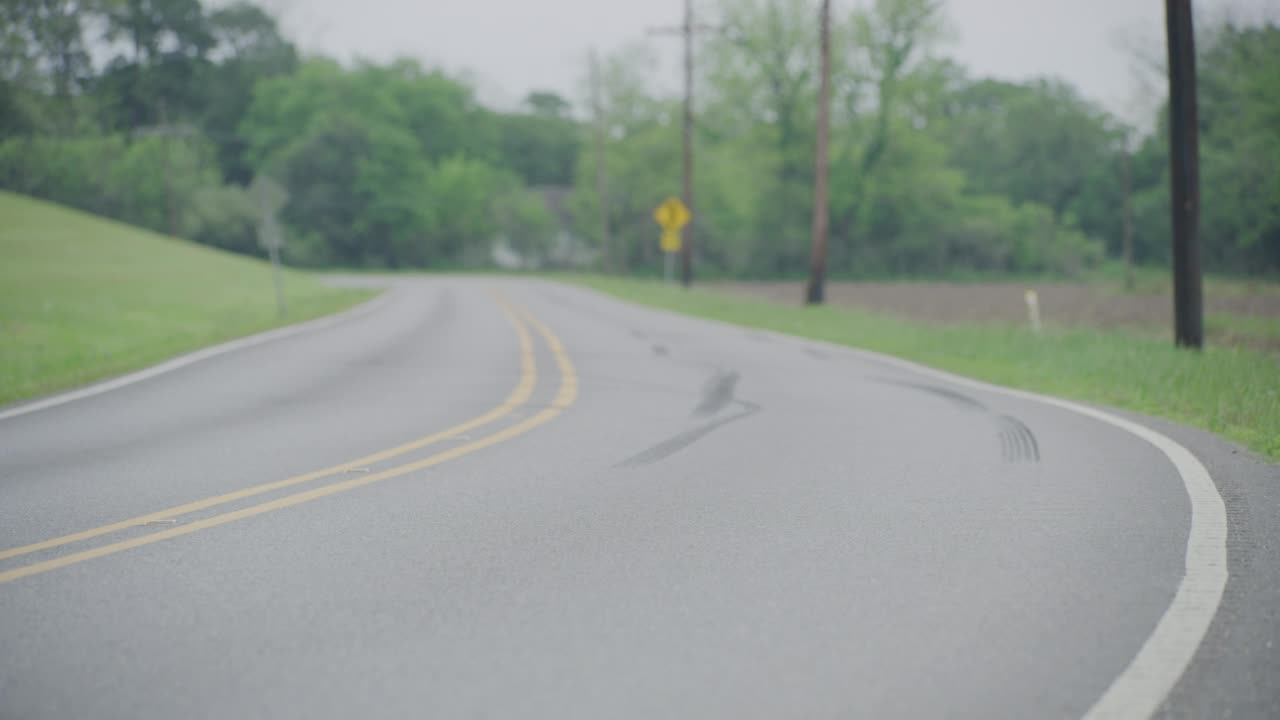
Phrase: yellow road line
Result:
[565,397]
[569,377]
[518,396]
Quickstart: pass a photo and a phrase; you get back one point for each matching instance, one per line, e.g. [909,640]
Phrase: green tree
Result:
[541,146]
[763,78]
[885,49]
[248,48]
[44,62]
[1039,142]
[1239,75]
[159,77]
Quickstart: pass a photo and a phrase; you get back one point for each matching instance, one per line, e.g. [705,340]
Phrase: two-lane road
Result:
[520,499]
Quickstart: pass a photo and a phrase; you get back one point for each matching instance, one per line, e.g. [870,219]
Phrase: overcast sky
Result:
[512,46]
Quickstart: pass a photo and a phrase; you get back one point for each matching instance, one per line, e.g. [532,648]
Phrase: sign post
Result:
[270,198]
[671,216]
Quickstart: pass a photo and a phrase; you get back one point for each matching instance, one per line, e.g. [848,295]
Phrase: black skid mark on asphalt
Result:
[660,350]
[717,394]
[676,443]
[958,399]
[816,354]
[1017,442]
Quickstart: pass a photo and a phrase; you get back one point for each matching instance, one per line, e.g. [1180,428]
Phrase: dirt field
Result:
[1236,313]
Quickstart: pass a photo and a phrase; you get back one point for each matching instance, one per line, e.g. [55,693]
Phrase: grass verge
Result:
[1230,391]
[83,298]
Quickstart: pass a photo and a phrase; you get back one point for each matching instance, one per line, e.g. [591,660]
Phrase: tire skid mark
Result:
[717,394]
[1018,443]
[680,441]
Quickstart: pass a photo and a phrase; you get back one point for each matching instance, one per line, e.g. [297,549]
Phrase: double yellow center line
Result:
[519,395]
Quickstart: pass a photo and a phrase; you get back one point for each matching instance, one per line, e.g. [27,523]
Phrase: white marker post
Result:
[1033,310]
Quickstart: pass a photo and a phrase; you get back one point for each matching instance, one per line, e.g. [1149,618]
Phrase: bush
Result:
[223,217]
[134,181]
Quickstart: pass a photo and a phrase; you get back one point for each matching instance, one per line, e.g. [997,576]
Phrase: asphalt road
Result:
[491,498]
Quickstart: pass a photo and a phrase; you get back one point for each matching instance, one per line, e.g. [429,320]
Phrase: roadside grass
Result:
[1264,328]
[84,298]
[1234,392]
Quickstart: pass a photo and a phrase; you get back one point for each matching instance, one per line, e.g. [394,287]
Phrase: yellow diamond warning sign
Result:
[670,241]
[672,214]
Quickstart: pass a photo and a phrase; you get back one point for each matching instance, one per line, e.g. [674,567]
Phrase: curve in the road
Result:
[565,397]
[1141,688]
[1137,691]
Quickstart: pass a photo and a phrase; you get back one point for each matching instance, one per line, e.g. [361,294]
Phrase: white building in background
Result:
[565,251]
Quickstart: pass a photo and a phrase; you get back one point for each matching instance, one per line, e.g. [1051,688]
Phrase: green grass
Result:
[1231,391]
[1264,328]
[83,298]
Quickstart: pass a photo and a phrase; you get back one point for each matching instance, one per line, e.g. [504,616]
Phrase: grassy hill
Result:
[83,298]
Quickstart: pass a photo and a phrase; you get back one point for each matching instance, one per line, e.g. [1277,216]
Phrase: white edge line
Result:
[1140,689]
[192,358]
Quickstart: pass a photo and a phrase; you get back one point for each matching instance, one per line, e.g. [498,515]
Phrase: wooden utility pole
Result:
[167,132]
[170,207]
[821,216]
[1184,156]
[686,249]
[688,29]
[611,259]
[1126,180]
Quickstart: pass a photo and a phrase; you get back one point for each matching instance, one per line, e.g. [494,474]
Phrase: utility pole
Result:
[686,249]
[1126,179]
[167,132]
[1184,156]
[170,207]
[821,216]
[612,261]
[270,198]
[687,29]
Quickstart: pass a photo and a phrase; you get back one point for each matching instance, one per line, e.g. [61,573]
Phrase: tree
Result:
[548,104]
[157,75]
[248,48]
[1240,148]
[541,146]
[155,28]
[763,78]
[633,123]
[1038,142]
[44,62]
[885,43]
